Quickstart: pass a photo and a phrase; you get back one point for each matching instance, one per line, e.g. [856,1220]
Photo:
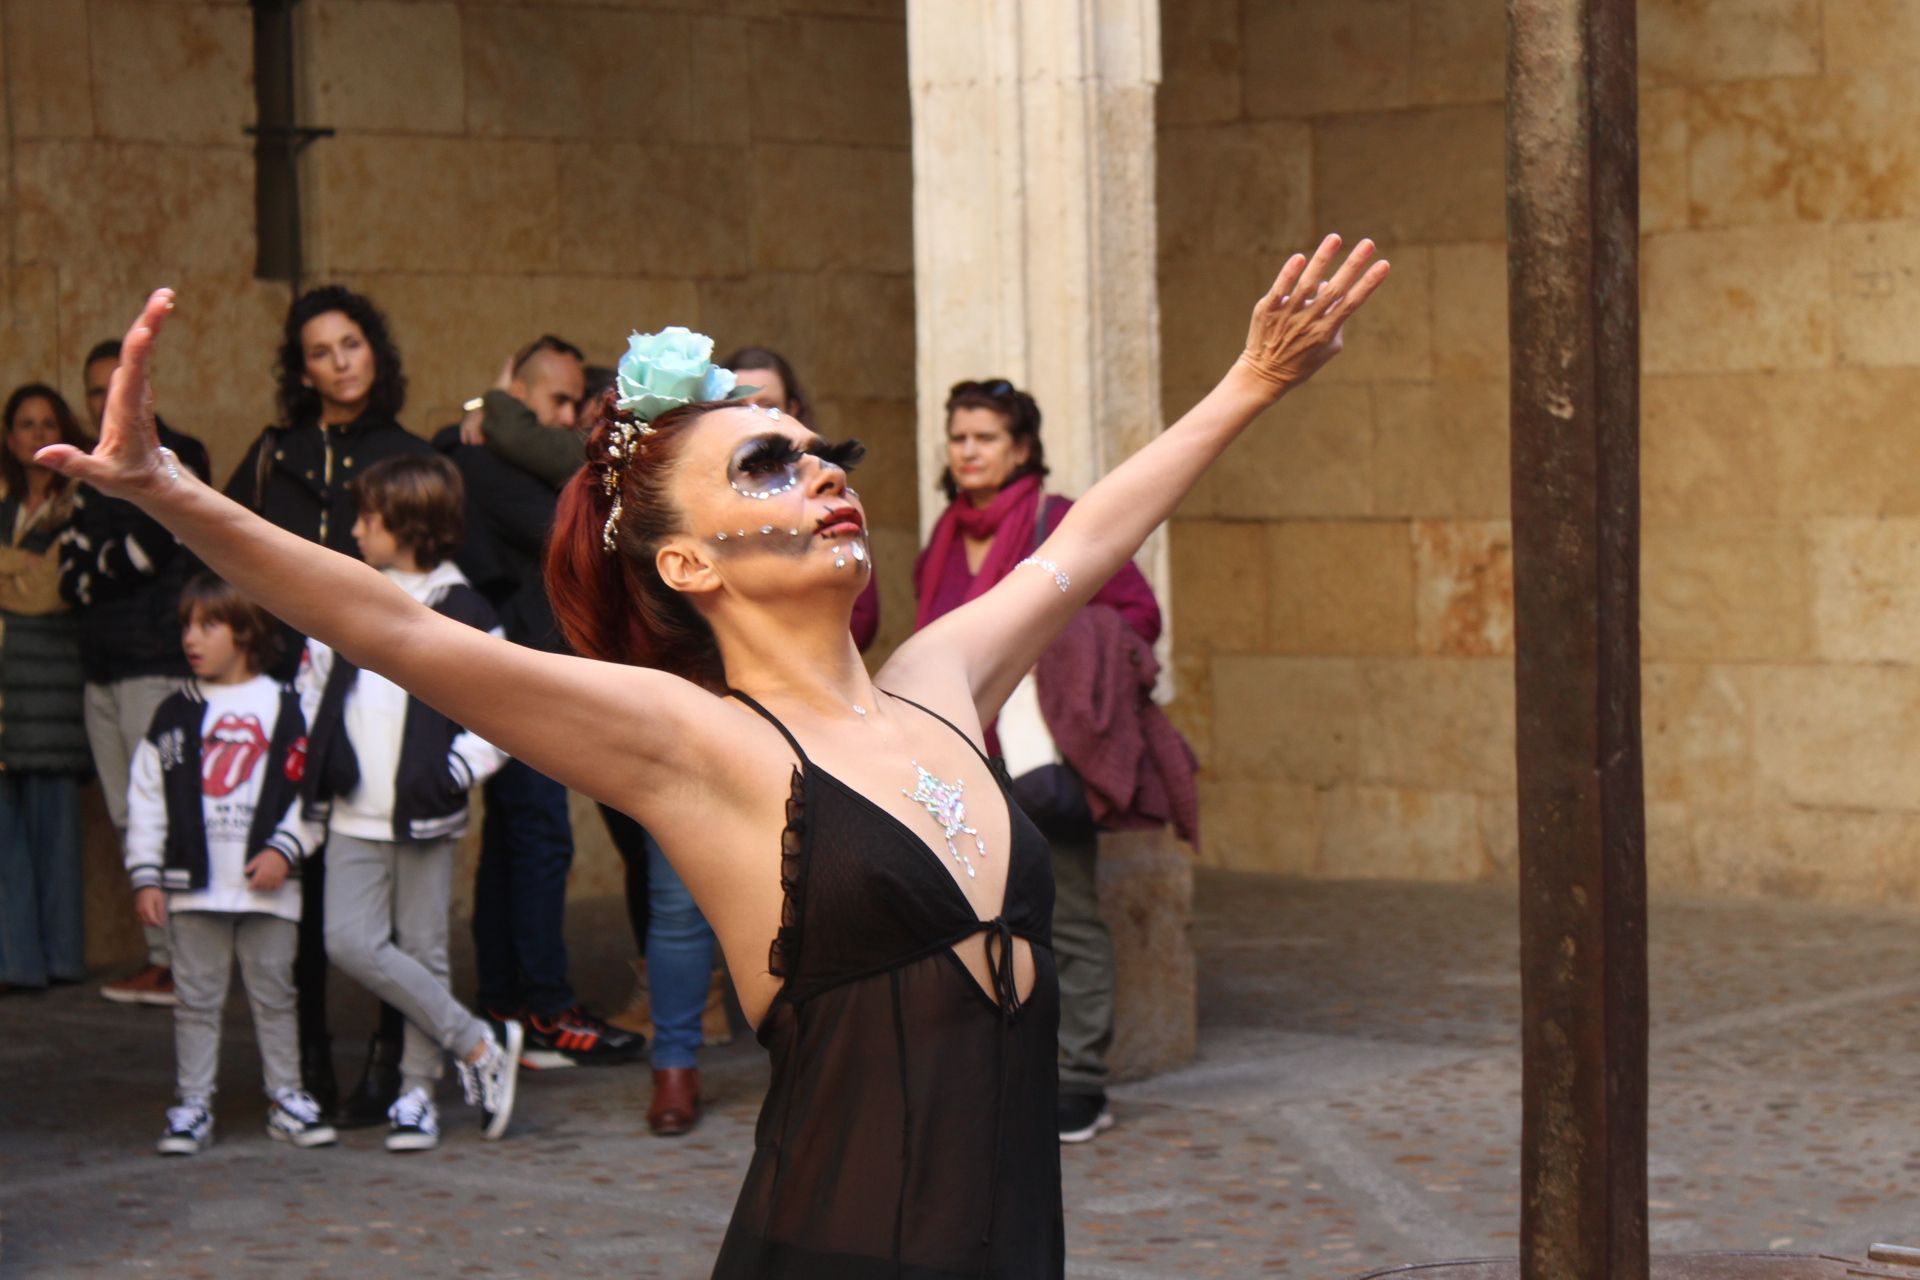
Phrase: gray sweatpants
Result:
[118,715]
[205,944]
[1083,950]
[386,915]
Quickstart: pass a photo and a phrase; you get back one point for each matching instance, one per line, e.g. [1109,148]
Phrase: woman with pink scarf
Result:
[997,514]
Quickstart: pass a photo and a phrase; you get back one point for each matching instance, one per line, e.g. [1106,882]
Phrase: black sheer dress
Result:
[909,1131]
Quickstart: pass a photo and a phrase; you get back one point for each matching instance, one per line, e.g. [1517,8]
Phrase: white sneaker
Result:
[489,1083]
[413,1122]
[189,1129]
[295,1117]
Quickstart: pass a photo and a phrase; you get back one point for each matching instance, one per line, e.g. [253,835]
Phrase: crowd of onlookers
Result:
[281,808]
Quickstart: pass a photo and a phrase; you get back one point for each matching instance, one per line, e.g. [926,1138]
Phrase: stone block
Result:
[1309,57]
[893,551]
[1805,149]
[1146,897]
[1866,579]
[1440,450]
[1239,188]
[1309,456]
[697,224]
[1437,724]
[819,79]
[1373,833]
[1200,63]
[1220,586]
[887,480]
[1340,587]
[597,312]
[30,330]
[196,59]
[1463,588]
[1500,835]
[828,208]
[865,320]
[389,66]
[1872,33]
[1433,174]
[1876,273]
[1205,302]
[454,331]
[1708,446]
[1697,733]
[1751,299]
[1726,592]
[1845,440]
[1286,719]
[195,211]
[1665,182]
[1469,310]
[1393,339]
[722,57]
[1459,51]
[1837,736]
[1254,825]
[1779,852]
[1671,865]
[1695,41]
[48,47]
[395,203]
[534,72]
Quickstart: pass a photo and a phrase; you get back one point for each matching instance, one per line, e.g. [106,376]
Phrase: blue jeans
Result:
[520,894]
[42,929]
[679,964]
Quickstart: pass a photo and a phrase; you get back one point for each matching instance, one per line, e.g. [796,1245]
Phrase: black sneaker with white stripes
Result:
[189,1129]
[413,1122]
[295,1117]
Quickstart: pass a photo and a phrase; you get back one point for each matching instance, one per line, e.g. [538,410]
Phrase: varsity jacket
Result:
[175,735]
[436,761]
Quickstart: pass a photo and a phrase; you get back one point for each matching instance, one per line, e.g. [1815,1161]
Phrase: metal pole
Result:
[1573,230]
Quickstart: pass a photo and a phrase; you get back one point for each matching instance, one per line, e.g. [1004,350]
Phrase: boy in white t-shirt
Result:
[214,830]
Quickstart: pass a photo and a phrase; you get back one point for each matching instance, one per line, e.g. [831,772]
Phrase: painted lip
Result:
[842,522]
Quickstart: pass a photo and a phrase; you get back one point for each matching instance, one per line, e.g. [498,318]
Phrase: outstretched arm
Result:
[992,641]
[596,727]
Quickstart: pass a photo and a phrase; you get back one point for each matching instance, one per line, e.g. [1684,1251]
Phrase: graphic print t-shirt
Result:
[236,728]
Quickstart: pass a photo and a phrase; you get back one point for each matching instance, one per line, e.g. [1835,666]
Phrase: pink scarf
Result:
[1012,513]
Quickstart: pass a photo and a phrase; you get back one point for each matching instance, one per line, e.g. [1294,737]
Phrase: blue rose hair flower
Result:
[664,370]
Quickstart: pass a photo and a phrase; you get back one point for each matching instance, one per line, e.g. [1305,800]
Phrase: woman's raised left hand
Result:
[128,460]
[1301,322]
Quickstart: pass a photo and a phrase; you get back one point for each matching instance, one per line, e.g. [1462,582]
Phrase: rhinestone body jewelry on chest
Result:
[946,803]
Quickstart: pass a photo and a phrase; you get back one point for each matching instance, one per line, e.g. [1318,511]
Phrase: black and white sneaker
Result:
[295,1117]
[489,1083]
[1082,1115]
[413,1122]
[189,1129]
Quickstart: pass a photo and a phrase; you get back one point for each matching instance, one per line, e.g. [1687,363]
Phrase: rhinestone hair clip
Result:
[628,439]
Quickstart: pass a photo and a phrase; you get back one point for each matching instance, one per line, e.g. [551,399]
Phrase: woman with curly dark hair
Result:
[341,391]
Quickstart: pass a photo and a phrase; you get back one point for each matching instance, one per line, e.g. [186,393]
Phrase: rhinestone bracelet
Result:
[1060,578]
[169,462]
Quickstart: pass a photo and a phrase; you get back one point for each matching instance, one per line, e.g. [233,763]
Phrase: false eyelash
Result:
[767,455]
[845,455]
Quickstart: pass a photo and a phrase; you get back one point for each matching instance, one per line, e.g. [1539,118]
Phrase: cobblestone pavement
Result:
[1354,1105]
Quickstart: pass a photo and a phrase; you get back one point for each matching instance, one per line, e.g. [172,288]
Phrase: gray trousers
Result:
[386,914]
[118,715]
[205,944]
[1083,951]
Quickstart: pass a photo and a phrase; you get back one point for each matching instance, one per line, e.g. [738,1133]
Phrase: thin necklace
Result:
[945,802]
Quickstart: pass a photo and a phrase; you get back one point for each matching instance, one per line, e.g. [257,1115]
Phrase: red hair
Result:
[612,605]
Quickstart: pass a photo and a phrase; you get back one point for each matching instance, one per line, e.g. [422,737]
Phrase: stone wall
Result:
[1343,587]
[499,171]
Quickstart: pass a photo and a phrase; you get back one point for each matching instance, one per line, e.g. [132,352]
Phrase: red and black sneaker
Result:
[576,1038]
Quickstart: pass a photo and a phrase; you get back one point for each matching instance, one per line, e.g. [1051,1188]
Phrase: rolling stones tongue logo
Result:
[230,752]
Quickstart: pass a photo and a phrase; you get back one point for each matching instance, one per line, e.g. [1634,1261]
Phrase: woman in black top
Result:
[885,936]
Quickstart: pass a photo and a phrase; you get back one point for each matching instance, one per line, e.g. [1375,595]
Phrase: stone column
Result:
[1034,260]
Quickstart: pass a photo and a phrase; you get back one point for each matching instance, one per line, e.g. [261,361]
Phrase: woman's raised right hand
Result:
[128,461]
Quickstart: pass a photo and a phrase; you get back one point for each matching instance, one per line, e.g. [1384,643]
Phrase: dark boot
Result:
[316,1073]
[379,1085]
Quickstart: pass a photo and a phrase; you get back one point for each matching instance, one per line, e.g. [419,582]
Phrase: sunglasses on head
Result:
[992,387]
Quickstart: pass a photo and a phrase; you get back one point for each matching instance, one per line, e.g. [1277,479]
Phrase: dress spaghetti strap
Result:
[774,720]
[984,759]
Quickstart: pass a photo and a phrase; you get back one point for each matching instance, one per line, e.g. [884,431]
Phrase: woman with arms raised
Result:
[883,908]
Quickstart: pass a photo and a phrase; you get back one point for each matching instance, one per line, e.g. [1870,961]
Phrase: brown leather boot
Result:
[676,1101]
